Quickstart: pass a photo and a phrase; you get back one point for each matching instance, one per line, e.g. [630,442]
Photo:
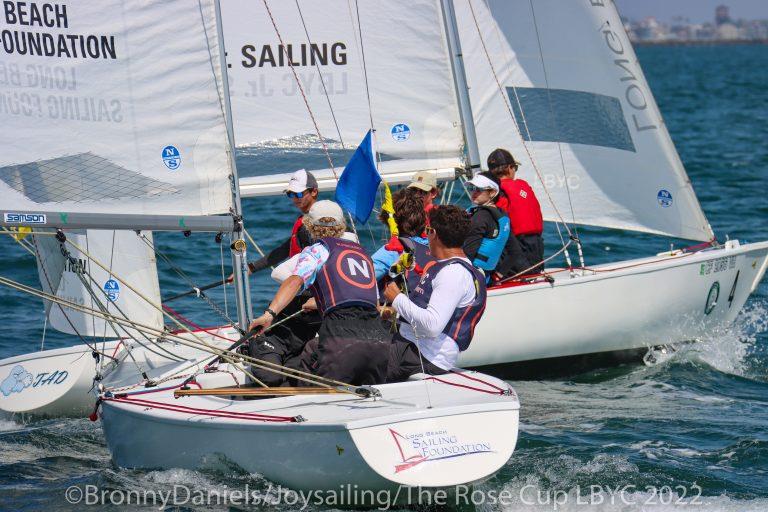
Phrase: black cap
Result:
[499,157]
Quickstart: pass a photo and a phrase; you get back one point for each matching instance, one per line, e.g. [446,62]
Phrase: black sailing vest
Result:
[346,279]
[461,326]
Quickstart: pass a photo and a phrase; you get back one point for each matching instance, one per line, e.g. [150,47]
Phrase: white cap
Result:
[300,181]
[325,209]
[483,182]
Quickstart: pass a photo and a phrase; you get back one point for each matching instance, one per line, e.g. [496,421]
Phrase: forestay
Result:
[400,44]
[128,258]
[112,107]
[586,113]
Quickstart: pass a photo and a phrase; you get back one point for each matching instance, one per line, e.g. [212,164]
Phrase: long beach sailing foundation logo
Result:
[433,445]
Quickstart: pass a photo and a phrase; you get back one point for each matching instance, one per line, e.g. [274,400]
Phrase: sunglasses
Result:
[297,195]
[472,189]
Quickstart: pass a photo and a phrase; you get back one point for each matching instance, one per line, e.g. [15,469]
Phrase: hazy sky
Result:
[697,11]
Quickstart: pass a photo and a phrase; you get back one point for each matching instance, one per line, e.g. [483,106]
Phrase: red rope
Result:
[465,386]
[193,324]
[203,412]
[494,386]
[498,390]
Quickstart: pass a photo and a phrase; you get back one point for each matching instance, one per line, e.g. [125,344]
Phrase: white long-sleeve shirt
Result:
[453,287]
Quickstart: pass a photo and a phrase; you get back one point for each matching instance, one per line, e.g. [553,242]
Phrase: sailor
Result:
[440,314]
[522,206]
[352,344]
[489,244]
[410,219]
[424,185]
[302,190]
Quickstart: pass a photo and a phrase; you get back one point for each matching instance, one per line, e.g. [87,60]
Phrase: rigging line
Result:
[23,243]
[306,103]
[84,309]
[554,117]
[367,88]
[322,80]
[253,243]
[365,69]
[227,355]
[159,308]
[514,120]
[142,296]
[50,287]
[105,311]
[45,328]
[301,90]
[223,278]
[215,307]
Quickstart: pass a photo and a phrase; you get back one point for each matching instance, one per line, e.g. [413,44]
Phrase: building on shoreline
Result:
[723,29]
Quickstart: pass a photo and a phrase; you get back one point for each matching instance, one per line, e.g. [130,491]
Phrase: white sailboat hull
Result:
[465,437]
[58,382]
[622,306]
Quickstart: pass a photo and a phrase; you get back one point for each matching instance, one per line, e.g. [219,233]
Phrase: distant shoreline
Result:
[718,42]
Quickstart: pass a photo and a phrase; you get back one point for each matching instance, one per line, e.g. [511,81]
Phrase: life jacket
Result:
[522,207]
[492,247]
[347,278]
[295,248]
[461,326]
[423,260]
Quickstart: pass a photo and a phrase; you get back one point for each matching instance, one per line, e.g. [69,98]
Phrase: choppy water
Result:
[695,422]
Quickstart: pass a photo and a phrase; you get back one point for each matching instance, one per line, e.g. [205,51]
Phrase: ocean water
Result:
[688,433]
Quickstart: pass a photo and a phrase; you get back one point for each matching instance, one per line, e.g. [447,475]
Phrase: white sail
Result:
[413,106]
[127,256]
[112,107]
[574,85]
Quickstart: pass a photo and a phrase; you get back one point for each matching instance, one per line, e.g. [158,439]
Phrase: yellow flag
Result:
[389,207]
[22,232]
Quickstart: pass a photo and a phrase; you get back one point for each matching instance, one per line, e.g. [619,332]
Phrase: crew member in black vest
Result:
[352,344]
[440,314]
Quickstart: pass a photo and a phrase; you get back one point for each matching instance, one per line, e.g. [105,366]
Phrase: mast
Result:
[460,83]
[239,260]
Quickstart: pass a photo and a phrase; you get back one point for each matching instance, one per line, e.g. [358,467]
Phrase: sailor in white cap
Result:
[490,244]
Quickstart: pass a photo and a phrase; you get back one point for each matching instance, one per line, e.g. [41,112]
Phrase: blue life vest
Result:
[492,247]
[461,326]
[346,279]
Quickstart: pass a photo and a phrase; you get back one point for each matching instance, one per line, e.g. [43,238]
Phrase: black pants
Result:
[280,346]
[533,249]
[352,346]
[404,361]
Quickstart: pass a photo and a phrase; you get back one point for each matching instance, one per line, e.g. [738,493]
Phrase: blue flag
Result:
[359,183]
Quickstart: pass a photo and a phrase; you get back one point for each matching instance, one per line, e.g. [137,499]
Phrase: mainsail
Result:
[380,65]
[571,84]
[113,108]
[125,254]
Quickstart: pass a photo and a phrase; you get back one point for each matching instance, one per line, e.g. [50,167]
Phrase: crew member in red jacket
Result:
[522,206]
[302,190]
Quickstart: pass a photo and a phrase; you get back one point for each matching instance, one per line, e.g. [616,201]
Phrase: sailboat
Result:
[556,83]
[169,159]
